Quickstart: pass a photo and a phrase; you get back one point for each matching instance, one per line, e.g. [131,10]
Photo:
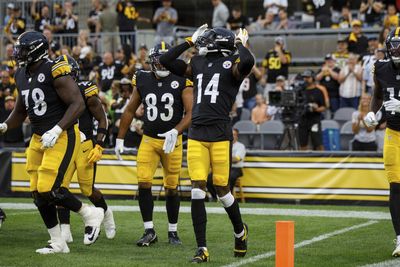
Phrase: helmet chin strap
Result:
[162,73]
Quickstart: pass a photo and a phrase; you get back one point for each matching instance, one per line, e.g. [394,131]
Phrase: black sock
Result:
[49,215]
[67,200]
[199,219]
[394,205]
[146,204]
[172,204]
[63,215]
[99,202]
[236,219]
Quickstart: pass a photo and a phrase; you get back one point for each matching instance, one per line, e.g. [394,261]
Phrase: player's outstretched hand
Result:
[200,30]
[392,105]
[95,154]
[170,140]
[242,36]
[50,137]
[370,119]
[3,128]
[119,148]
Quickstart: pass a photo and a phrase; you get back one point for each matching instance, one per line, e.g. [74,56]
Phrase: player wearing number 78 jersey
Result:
[217,73]
[167,101]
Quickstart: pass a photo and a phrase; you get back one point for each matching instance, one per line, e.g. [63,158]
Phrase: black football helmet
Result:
[30,47]
[154,59]
[75,70]
[216,40]
[393,45]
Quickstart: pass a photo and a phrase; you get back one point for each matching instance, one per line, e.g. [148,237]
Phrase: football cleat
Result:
[66,233]
[149,237]
[241,243]
[201,255]
[54,247]
[2,217]
[109,224]
[92,222]
[396,251]
[173,238]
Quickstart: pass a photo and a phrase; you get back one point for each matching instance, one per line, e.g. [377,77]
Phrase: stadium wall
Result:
[354,177]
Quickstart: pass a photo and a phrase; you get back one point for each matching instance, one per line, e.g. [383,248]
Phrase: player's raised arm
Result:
[246,59]
[170,59]
[16,117]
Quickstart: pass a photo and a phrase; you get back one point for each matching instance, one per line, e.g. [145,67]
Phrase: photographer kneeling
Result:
[310,121]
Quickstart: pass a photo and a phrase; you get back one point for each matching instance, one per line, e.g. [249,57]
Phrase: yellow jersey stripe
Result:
[62,63]
[162,45]
[396,34]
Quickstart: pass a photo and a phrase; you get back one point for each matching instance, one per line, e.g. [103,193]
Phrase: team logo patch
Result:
[175,84]
[227,64]
[41,77]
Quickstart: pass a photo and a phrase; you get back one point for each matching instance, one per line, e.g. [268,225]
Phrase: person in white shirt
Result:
[350,78]
[220,14]
[273,6]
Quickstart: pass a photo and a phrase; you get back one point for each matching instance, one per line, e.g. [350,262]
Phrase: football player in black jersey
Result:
[167,101]
[90,152]
[217,73]
[387,92]
[49,96]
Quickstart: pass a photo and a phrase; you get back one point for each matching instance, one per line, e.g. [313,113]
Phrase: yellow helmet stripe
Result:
[396,33]
[162,45]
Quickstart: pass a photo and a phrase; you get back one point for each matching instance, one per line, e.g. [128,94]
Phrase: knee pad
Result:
[197,193]
[227,200]
[38,199]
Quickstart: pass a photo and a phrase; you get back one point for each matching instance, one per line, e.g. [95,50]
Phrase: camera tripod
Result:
[289,139]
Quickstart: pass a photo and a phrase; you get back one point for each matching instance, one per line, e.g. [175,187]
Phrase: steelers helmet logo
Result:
[227,64]
[175,84]
[41,77]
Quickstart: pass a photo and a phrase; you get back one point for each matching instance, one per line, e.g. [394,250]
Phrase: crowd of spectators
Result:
[343,79]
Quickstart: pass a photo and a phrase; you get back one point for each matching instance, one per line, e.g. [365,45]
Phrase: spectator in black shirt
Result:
[249,85]
[57,21]
[373,12]
[16,25]
[322,13]
[42,20]
[237,20]
[358,42]
[328,76]
[94,15]
[109,70]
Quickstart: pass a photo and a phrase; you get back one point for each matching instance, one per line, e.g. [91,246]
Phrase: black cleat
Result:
[201,256]
[149,237]
[241,243]
[173,238]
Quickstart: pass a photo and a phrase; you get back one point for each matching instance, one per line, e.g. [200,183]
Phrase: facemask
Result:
[203,51]
[162,73]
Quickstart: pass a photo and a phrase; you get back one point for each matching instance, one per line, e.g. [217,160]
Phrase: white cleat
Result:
[66,233]
[92,217]
[54,247]
[396,252]
[109,224]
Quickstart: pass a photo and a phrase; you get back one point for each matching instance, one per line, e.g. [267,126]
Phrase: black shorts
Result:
[310,129]
[211,133]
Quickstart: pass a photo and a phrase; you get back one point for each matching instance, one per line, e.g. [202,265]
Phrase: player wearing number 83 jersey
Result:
[167,101]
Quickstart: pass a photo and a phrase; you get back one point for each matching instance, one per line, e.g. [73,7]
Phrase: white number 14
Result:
[211,88]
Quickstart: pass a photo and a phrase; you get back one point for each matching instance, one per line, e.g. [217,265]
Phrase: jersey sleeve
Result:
[60,67]
[134,79]
[91,90]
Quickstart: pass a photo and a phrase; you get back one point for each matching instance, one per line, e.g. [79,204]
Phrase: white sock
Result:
[240,234]
[65,228]
[172,227]
[148,225]
[84,210]
[398,240]
[55,233]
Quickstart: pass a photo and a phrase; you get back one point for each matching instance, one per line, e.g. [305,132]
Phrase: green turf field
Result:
[356,242]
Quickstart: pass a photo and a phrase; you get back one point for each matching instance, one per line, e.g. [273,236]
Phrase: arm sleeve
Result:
[246,60]
[172,63]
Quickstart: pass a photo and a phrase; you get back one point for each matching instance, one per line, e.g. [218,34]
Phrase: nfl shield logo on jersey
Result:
[227,64]
[175,84]
[41,77]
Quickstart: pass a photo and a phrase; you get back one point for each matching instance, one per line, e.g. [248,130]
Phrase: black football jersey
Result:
[87,89]
[43,105]
[108,74]
[162,100]
[388,77]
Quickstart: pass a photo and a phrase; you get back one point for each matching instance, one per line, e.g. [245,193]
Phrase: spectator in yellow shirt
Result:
[392,18]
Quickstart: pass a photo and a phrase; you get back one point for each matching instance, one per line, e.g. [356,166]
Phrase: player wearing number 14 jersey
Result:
[167,101]
[217,74]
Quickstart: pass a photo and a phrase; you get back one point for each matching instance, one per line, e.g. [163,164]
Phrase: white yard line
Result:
[302,244]
[369,215]
[388,263]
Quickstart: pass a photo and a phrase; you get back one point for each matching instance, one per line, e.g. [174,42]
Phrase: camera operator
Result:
[314,106]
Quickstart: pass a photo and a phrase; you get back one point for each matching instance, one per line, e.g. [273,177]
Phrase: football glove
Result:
[119,148]
[200,30]
[392,105]
[170,140]
[50,137]
[3,128]
[370,119]
[95,154]
[242,36]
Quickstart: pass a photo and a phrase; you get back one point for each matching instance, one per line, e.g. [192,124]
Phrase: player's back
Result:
[388,77]
[44,107]
[162,100]
[215,89]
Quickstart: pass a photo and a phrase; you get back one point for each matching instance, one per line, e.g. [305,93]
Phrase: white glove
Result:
[170,140]
[370,119]
[119,147]
[200,30]
[392,105]
[3,128]
[242,36]
[50,137]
